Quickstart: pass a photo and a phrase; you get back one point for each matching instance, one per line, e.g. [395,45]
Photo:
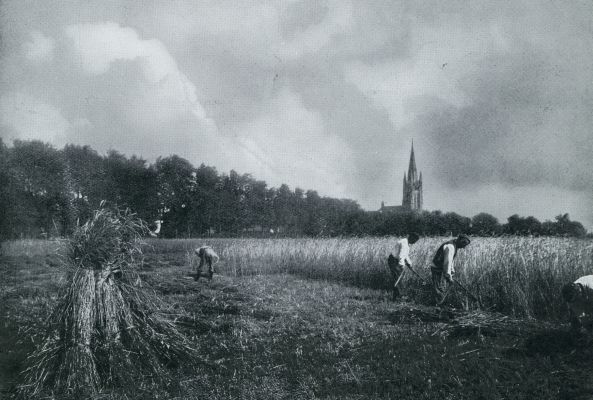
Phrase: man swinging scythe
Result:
[442,270]
[400,260]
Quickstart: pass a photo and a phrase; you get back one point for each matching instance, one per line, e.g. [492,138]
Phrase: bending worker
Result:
[443,268]
[398,262]
[579,299]
[207,256]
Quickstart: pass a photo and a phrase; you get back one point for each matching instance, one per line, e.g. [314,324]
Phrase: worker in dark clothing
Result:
[443,267]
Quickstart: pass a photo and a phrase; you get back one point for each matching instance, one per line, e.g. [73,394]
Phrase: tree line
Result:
[46,192]
[482,224]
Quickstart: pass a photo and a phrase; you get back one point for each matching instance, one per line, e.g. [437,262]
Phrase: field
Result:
[312,318]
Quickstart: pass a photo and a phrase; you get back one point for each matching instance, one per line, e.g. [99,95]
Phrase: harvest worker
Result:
[207,256]
[398,262]
[443,269]
[579,299]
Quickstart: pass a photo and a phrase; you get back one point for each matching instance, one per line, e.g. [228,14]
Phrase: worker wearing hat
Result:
[443,268]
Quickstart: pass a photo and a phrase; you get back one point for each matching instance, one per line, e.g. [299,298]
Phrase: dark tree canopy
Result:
[47,192]
[485,224]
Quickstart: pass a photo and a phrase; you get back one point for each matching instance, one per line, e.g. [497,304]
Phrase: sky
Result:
[325,95]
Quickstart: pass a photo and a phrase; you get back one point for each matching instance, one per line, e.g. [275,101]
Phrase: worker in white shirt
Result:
[443,266]
[579,299]
[398,262]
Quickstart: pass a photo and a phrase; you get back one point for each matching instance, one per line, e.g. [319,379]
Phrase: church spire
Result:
[412,173]
[412,198]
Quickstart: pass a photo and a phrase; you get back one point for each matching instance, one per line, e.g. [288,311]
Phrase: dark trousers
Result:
[440,286]
[205,260]
[396,271]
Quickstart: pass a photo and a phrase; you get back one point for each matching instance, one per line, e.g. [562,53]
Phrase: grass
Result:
[274,332]
[31,247]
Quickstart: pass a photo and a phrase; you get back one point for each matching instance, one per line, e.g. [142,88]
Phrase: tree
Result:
[205,200]
[517,225]
[85,179]
[38,193]
[131,183]
[532,226]
[176,187]
[315,222]
[255,205]
[4,193]
[485,224]
[283,210]
[566,227]
[513,225]
[456,224]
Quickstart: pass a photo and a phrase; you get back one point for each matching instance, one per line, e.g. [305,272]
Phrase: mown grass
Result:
[279,335]
[28,290]
[31,247]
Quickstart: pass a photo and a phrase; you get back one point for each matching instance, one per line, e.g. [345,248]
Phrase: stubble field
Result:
[312,318]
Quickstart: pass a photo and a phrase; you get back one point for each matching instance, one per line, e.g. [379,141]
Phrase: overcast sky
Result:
[325,95]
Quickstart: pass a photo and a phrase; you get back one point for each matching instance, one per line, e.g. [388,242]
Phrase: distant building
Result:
[412,199]
[412,190]
[390,209]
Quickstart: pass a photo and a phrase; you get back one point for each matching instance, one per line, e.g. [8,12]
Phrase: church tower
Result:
[412,199]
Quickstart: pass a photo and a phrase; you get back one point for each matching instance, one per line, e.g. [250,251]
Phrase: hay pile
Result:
[107,331]
[493,324]
[457,322]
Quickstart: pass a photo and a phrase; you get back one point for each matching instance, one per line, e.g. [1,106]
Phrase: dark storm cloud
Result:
[521,127]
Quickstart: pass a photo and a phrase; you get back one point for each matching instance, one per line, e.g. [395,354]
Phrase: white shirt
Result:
[586,281]
[582,307]
[206,252]
[402,252]
[448,258]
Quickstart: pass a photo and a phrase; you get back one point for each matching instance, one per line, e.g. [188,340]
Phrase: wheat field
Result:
[519,276]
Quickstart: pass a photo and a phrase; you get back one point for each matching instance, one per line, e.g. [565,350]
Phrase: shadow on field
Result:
[13,353]
[556,342]
[537,338]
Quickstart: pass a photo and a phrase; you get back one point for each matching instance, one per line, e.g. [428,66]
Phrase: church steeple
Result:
[412,173]
[412,198]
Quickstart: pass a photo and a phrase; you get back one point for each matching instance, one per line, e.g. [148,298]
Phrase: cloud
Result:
[516,130]
[398,86]
[99,46]
[134,96]
[439,56]
[338,19]
[32,119]
[255,31]
[288,144]
[40,48]
[489,102]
